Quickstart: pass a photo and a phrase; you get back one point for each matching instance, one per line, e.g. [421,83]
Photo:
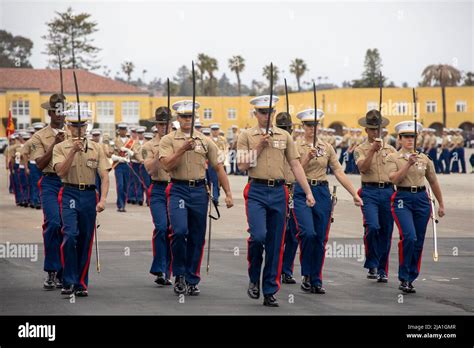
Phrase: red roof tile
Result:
[47,81]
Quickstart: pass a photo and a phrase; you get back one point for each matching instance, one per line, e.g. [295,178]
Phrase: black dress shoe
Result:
[305,284]
[133,203]
[48,283]
[67,290]
[287,279]
[404,286]
[140,203]
[193,290]
[318,289]
[372,273]
[128,201]
[38,206]
[253,291]
[179,285]
[382,278]
[411,288]
[270,301]
[58,282]
[81,293]
[160,279]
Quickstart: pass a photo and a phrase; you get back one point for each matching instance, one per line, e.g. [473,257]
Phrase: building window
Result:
[130,112]
[461,106]
[21,111]
[105,111]
[402,108]
[335,108]
[108,128]
[371,105]
[431,106]
[207,114]
[231,114]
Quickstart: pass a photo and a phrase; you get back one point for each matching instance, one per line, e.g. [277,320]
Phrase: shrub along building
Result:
[23,91]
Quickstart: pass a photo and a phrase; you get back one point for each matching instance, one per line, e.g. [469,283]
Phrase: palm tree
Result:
[237,65]
[127,68]
[266,74]
[201,65]
[298,67]
[211,66]
[441,75]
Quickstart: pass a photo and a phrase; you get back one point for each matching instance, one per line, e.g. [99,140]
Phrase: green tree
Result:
[15,51]
[441,75]
[71,35]
[127,69]
[266,74]
[237,65]
[183,81]
[299,68]
[370,75]
[211,67]
[468,79]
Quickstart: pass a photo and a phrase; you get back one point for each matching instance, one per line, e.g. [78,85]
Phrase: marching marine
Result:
[77,162]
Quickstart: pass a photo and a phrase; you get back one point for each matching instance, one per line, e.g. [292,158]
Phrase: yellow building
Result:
[23,90]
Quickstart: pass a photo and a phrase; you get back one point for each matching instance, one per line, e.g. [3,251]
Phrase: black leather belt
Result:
[314,182]
[81,187]
[49,174]
[377,184]
[268,182]
[412,189]
[160,182]
[190,183]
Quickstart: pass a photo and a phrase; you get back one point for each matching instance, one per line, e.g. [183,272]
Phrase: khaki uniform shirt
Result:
[446,142]
[345,140]
[151,150]
[317,167]
[137,156]
[378,167]
[41,141]
[85,165]
[423,167]
[192,165]
[271,162]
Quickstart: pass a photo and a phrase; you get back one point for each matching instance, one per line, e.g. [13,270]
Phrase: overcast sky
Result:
[332,37]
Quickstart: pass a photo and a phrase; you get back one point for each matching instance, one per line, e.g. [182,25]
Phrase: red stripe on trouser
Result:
[282,244]
[153,220]
[400,232]
[431,214]
[44,216]
[325,242]
[198,271]
[86,268]
[168,191]
[246,196]
[366,230]
[298,237]
[60,202]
